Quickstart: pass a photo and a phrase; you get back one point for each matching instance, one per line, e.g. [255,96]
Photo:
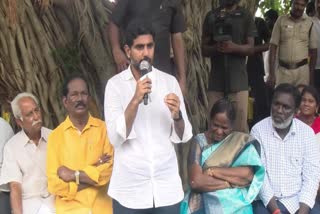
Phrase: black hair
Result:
[68,79]
[224,106]
[287,88]
[271,14]
[311,90]
[135,28]
[310,8]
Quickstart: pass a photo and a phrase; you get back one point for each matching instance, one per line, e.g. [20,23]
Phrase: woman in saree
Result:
[225,171]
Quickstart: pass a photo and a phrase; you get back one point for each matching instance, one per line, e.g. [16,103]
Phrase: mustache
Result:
[145,58]
[80,103]
[35,122]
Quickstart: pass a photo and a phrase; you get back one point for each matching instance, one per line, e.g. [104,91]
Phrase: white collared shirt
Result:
[292,164]
[145,170]
[25,163]
[6,133]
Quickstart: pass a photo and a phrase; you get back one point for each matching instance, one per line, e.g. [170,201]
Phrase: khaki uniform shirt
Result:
[294,38]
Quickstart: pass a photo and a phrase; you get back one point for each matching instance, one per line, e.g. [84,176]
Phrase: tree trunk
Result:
[40,43]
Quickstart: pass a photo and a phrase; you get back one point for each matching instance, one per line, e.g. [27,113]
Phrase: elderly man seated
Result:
[291,157]
[24,160]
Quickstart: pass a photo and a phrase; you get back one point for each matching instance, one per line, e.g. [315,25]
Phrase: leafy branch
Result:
[282,6]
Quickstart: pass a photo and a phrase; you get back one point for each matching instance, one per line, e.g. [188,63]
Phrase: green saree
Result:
[235,150]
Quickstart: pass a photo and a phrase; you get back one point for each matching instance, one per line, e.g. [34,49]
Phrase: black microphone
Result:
[145,67]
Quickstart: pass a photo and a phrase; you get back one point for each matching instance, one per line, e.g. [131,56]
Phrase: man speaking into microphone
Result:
[145,176]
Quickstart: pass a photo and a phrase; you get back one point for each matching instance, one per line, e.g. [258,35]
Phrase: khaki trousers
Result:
[295,77]
[240,101]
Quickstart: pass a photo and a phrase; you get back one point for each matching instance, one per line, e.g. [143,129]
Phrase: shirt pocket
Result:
[304,32]
[295,165]
[95,146]
[287,32]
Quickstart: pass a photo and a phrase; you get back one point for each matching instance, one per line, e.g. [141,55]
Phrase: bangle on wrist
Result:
[276,211]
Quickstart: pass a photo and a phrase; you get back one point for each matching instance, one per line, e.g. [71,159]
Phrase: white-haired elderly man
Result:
[24,160]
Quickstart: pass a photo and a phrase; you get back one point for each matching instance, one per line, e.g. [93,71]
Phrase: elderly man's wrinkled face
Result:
[30,120]
[282,110]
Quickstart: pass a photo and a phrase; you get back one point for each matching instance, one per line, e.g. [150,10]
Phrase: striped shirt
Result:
[292,164]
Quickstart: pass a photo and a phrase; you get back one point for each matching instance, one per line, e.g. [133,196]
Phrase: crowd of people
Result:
[127,164]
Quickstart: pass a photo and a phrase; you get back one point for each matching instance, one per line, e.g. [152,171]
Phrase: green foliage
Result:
[68,57]
[282,6]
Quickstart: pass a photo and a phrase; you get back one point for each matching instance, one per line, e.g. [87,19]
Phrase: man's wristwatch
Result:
[179,118]
[77,176]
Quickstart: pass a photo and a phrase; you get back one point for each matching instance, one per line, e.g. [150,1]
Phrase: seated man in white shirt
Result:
[24,160]
[291,157]
[6,133]
[145,115]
